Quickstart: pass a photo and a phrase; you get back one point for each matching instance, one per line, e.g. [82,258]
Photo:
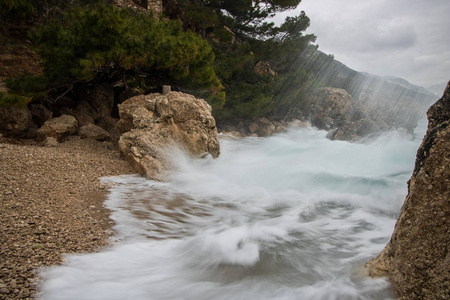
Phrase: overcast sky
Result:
[409,39]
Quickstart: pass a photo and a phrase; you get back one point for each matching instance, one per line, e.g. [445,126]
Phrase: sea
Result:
[291,216]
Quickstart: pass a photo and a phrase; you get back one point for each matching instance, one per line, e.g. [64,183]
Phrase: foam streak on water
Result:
[293,216]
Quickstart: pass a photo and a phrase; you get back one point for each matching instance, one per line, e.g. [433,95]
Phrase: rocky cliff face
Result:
[155,123]
[417,258]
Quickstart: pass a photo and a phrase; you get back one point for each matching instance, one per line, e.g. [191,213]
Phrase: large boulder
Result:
[417,258]
[154,124]
[328,106]
[58,128]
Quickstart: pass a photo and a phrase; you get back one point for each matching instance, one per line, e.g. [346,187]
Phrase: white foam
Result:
[286,217]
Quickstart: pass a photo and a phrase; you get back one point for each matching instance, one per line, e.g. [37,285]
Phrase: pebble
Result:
[36,217]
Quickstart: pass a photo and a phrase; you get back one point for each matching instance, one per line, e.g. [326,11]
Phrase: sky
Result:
[409,39]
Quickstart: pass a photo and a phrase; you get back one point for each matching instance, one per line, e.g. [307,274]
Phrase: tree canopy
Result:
[228,52]
[243,39]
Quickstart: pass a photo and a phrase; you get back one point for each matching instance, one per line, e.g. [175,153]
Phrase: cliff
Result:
[417,258]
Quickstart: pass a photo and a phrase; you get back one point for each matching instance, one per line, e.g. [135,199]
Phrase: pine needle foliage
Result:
[12,10]
[102,41]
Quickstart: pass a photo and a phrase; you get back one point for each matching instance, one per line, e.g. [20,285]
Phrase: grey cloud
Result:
[404,38]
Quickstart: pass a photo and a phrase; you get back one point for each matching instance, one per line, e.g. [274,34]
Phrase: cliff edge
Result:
[417,258]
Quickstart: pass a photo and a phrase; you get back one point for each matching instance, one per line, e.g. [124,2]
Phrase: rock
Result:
[95,132]
[136,112]
[329,105]
[417,258]
[85,108]
[50,142]
[166,89]
[109,124]
[100,100]
[40,114]
[16,122]
[84,119]
[335,110]
[266,127]
[58,128]
[228,128]
[13,284]
[158,123]
[253,127]
[3,288]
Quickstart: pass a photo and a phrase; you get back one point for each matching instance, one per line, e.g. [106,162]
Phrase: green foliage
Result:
[103,41]
[15,9]
[27,85]
[13,100]
[251,93]
[23,89]
[246,18]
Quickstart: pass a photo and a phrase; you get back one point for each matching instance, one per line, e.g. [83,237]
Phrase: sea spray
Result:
[293,216]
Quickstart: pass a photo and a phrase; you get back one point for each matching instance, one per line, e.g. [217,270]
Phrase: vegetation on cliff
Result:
[225,52]
[103,43]
[253,56]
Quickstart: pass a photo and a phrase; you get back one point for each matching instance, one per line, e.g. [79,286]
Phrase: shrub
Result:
[13,100]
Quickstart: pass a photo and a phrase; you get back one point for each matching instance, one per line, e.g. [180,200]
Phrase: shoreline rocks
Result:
[417,258]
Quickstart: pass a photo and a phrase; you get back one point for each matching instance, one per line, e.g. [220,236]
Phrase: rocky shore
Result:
[51,202]
[51,194]
[417,258]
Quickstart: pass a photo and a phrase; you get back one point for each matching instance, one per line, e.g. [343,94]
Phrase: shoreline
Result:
[51,201]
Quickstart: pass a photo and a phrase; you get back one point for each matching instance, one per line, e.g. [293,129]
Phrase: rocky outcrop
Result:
[417,258]
[335,110]
[155,123]
[261,127]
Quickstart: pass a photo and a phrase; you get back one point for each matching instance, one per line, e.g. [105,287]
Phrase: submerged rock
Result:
[417,258]
[154,124]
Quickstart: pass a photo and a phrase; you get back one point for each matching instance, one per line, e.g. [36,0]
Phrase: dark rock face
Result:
[417,258]
[17,123]
[40,114]
[155,124]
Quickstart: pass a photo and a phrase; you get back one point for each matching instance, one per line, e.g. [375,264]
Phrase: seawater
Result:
[292,216]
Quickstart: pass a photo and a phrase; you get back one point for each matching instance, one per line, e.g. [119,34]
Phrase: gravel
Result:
[51,203]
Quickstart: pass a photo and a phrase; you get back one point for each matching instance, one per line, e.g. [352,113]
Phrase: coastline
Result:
[51,203]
